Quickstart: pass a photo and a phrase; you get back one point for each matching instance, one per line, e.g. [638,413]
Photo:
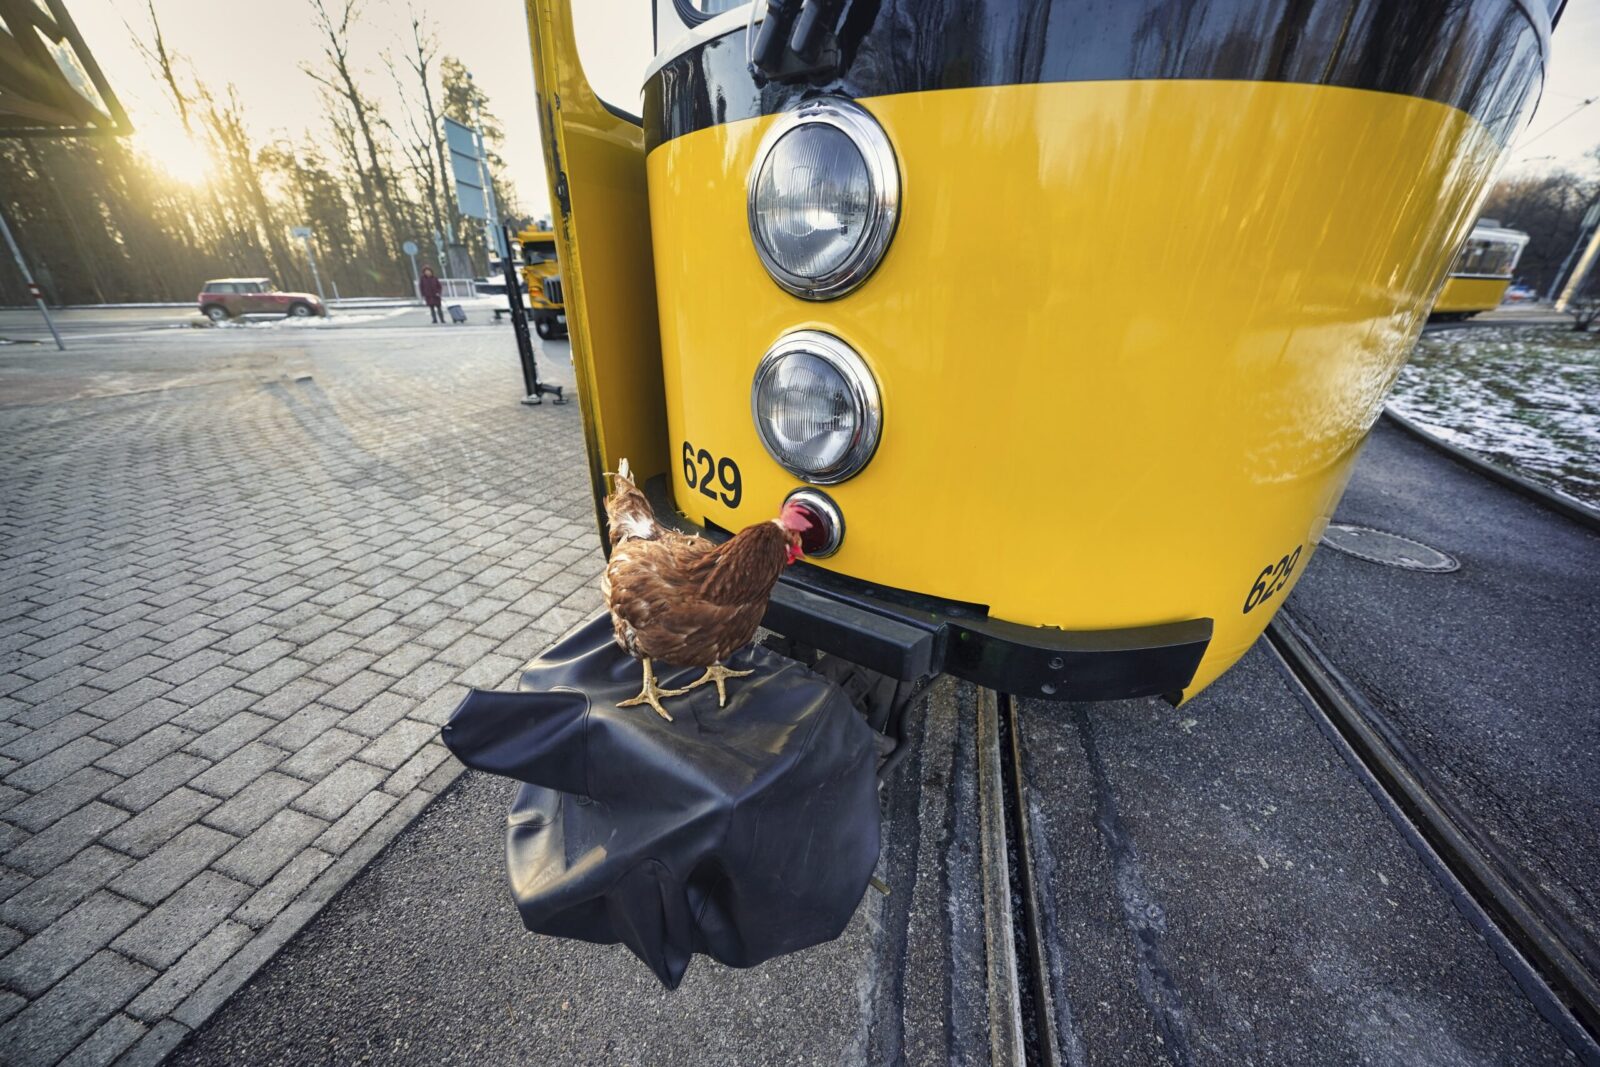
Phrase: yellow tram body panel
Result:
[1129,335]
[1470,295]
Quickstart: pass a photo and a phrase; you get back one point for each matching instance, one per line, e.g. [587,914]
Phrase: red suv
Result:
[225,298]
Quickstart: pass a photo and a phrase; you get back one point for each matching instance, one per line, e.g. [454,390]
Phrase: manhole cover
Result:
[1391,550]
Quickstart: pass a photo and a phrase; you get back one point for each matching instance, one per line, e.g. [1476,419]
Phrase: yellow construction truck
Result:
[541,271]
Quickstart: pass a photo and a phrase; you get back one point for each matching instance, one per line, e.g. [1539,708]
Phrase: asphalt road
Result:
[1489,673]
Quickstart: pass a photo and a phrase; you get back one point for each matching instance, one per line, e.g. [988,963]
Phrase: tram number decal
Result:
[1270,580]
[715,478]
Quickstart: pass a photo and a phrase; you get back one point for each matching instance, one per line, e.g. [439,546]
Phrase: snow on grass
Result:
[1525,397]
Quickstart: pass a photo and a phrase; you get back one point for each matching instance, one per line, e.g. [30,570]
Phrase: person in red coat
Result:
[432,294]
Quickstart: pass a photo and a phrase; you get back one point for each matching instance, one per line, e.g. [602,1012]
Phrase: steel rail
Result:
[1528,932]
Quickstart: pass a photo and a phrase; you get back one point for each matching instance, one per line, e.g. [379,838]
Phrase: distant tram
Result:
[1482,271]
[1065,319]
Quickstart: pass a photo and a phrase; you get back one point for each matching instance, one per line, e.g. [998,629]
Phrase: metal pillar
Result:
[27,276]
[304,233]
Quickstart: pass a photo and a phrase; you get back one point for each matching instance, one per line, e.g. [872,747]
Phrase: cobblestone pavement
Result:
[243,580]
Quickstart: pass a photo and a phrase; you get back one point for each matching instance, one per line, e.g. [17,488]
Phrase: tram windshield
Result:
[1488,257]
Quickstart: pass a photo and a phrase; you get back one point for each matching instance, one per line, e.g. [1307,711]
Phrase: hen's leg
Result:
[652,693]
[716,673]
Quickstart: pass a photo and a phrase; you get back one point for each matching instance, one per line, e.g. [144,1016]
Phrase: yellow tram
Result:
[1066,320]
[1482,271]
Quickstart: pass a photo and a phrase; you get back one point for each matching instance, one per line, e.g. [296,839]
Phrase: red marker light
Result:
[826,530]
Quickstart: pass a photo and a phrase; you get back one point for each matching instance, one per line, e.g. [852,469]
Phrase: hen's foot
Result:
[719,674]
[651,694]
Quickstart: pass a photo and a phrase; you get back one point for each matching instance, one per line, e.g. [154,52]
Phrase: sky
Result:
[259,46]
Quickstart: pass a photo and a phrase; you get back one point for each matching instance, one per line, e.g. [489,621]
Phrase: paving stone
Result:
[67,942]
[303,727]
[135,756]
[45,851]
[131,725]
[36,743]
[167,932]
[261,655]
[256,803]
[10,938]
[208,684]
[396,744]
[490,672]
[424,680]
[437,709]
[290,699]
[10,1004]
[380,713]
[216,709]
[355,822]
[221,740]
[340,790]
[343,666]
[415,769]
[287,884]
[72,756]
[155,1046]
[63,798]
[52,1025]
[239,769]
[156,781]
[102,1047]
[321,756]
[159,823]
[258,857]
[191,655]
[182,978]
[44,900]
[160,874]
[353,693]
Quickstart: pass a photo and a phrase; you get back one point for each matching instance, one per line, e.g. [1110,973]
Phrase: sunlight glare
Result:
[186,159]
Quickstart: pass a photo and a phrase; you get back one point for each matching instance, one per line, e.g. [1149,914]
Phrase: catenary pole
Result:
[27,276]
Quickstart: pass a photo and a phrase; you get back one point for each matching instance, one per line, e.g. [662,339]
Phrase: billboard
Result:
[466,167]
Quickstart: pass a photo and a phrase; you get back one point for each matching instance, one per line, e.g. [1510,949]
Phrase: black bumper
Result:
[910,635]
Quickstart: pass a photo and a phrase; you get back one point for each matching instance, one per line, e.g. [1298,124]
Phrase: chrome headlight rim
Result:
[864,395]
[883,202]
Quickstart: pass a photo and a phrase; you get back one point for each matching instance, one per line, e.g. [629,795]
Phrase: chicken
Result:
[683,600]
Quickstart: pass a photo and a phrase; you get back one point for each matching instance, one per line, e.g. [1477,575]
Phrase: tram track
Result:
[1555,965]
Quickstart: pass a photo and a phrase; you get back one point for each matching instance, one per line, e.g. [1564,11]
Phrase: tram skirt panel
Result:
[742,832]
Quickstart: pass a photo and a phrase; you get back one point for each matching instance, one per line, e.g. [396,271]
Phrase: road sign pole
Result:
[304,233]
[27,276]
[416,280]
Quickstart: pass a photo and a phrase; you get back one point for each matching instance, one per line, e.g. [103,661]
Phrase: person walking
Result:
[432,291]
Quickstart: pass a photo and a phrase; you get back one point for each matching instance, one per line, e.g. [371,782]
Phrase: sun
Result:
[187,159]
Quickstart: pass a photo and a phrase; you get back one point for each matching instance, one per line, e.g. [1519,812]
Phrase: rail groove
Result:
[1544,955]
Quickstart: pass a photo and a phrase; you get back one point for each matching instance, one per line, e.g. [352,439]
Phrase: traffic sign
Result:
[300,231]
[409,248]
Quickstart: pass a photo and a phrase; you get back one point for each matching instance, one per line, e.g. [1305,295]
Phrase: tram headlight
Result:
[824,197]
[816,407]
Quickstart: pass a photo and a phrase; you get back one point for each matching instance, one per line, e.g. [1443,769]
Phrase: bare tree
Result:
[424,53]
[374,177]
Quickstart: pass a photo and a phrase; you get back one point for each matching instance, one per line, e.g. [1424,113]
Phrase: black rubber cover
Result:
[742,832]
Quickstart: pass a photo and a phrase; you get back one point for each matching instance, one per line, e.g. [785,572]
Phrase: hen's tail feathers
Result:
[628,513]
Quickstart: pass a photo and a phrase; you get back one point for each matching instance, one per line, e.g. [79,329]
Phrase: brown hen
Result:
[683,600]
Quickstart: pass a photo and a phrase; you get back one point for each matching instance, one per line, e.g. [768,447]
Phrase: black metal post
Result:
[519,323]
